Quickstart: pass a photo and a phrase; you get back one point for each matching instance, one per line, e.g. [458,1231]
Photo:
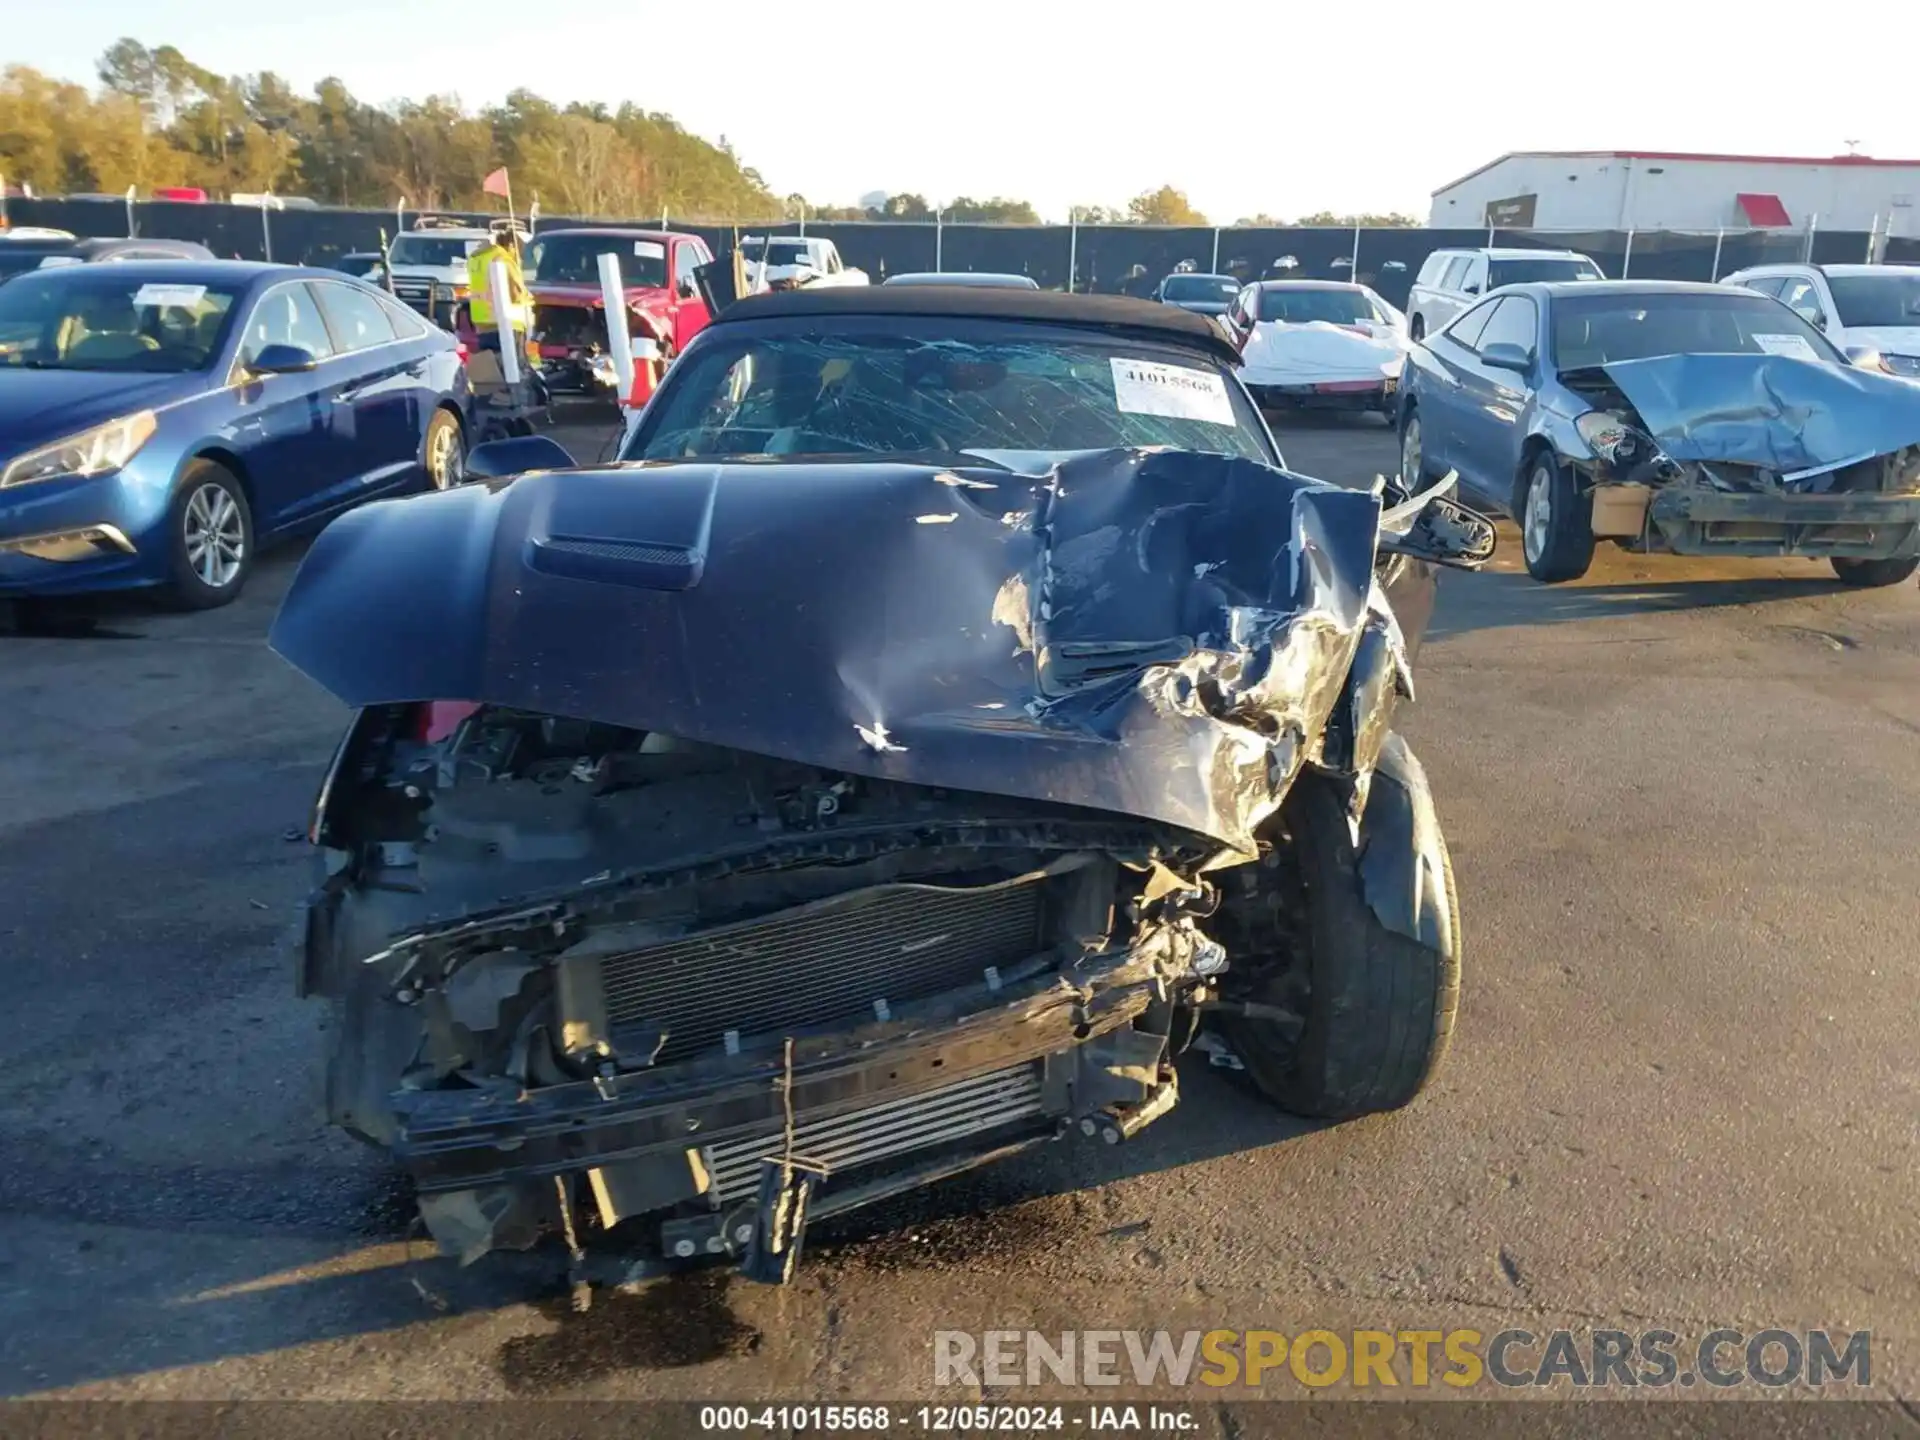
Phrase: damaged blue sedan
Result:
[1667,417]
[945,710]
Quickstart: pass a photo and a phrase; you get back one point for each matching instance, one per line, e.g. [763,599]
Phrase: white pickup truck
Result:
[791,261]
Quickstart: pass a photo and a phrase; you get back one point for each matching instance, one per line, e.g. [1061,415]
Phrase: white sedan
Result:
[1320,343]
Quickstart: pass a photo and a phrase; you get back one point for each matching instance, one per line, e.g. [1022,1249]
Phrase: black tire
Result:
[1870,574]
[1410,421]
[443,455]
[1559,544]
[1379,1007]
[194,505]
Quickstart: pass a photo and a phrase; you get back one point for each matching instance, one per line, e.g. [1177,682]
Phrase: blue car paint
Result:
[1786,414]
[304,446]
[1775,411]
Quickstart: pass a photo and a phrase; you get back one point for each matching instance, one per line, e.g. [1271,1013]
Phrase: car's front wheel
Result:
[1556,521]
[1870,574]
[1354,1018]
[210,532]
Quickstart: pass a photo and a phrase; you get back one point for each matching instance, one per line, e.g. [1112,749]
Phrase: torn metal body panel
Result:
[1157,634]
[1754,455]
[806,832]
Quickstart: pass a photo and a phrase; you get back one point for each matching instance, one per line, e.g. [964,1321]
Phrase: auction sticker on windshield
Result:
[1794,347]
[169,295]
[1147,387]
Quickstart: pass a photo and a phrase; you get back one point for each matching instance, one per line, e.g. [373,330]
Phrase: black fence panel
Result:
[1109,259]
[1903,250]
[1040,252]
[1839,247]
[1132,259]
[1390,260]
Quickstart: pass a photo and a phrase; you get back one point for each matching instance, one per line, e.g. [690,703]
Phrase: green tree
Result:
[996,211]
[1165,206]
[1326,218]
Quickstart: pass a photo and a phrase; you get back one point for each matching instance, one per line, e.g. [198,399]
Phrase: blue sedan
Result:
[161,422]
[1667,417]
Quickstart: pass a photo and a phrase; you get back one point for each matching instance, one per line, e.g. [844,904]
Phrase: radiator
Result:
[821,963]
[898,1127]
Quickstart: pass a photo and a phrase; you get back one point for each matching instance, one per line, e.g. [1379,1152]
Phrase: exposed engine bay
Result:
[729,955]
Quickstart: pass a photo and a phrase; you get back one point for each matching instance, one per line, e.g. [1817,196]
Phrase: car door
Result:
[690,314]
[1492,400]
[376,387]
[1439,397]
[1801,294]
[284,426]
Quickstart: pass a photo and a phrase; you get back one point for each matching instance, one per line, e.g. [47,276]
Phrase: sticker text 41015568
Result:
[1178,392]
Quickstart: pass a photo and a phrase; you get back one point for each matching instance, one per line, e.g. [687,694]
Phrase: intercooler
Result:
[881,1132]
[836,960]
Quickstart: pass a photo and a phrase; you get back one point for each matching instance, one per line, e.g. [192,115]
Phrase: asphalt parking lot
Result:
[1684,806]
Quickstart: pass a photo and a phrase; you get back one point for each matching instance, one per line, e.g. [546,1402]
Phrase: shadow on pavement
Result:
[198,1299]
[1492,600]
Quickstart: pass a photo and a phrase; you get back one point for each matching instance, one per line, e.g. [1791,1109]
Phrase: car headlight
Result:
[1612,439]
[99,451]
[1907,365]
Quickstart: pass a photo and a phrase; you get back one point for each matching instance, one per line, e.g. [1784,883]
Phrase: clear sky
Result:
[1284,108]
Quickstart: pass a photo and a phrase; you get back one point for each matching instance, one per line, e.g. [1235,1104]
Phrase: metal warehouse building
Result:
[1653,190]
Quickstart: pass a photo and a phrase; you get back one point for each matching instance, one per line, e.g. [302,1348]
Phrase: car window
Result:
[406,323]
[568,257]
[1513,322]
[356,317]
[1433,267]
[1199,288]
[1768,285]
[685,261]
[922,386]
[97,317]
[1456,272]
[438,251]
[285,315]
[1801,297]
[1466,330]
[1548,268]
[1891,297]
[1593,330]
[1301,305]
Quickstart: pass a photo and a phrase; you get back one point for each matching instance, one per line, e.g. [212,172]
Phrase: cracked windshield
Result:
[896,392]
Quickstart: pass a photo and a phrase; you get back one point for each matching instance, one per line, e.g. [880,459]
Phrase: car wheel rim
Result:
[1410,453]
[216,536]
[443,457]
[1539,513]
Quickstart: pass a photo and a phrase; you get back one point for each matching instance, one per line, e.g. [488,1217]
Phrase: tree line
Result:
[157,119]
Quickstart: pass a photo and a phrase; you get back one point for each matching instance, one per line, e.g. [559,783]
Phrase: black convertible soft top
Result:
[1116,313]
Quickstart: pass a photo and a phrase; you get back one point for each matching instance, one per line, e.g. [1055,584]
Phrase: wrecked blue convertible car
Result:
[1689,419]
[944,711]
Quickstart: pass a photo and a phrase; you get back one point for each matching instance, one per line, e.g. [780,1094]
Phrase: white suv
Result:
[1870,311]
[1451,280]
[428,265]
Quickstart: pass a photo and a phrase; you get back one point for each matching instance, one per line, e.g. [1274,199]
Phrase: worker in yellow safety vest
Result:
[503,244]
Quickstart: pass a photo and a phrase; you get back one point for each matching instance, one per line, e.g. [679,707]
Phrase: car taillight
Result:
[437,719]
[460,349]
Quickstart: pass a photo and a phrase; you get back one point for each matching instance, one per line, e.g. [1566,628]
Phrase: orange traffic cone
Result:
[646,372]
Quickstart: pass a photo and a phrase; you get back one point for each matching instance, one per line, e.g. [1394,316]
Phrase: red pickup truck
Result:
[568,337]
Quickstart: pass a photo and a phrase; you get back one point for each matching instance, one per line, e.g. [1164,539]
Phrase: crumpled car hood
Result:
[1160,634]
[1784,414]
